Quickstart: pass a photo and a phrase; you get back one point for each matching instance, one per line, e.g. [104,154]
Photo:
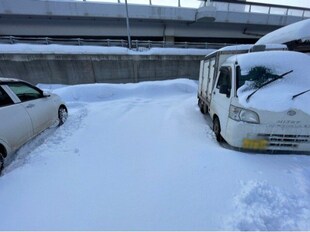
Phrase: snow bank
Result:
[295,31]
[107,92]
[71,49]
[277,96]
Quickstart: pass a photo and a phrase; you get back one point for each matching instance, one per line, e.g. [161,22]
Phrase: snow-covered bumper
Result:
[283,136]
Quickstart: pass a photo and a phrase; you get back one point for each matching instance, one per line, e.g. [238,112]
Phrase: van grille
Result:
[288,141]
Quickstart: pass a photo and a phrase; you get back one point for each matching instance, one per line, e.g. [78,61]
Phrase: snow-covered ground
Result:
[142,157]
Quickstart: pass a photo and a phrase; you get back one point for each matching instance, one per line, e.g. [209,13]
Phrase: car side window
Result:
[5,99]
[24,91]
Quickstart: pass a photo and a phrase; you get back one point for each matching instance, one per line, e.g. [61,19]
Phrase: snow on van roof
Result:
[247,47]
[237,47]
[277,96]
[295,31]
[250,46]
[241,47]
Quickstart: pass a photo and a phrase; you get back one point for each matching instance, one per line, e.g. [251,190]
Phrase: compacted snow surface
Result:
[142,157]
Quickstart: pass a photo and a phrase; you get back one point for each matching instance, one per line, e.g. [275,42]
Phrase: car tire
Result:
[62,115]
[1,162]
[217,129]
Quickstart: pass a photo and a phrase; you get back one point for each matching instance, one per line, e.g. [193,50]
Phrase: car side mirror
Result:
[224,89]
[46,94]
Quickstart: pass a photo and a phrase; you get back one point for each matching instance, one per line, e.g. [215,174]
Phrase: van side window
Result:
[5,100]
[224,81]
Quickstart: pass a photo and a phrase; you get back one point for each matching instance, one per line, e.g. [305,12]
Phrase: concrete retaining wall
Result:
[79,69]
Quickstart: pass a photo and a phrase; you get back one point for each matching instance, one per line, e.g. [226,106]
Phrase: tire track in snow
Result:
[51,138]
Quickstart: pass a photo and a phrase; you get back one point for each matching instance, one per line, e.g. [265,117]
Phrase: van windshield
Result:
[255,77]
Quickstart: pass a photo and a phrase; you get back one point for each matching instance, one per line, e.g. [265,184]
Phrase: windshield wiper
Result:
[297,95]
[267,83]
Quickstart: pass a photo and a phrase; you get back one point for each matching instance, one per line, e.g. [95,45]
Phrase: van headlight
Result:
[240,114]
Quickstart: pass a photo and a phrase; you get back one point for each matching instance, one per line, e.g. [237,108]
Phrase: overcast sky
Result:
[195,3]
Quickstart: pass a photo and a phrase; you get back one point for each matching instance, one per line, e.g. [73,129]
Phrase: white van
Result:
[258,100]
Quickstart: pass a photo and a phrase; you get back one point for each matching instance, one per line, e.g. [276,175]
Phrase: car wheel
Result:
[1,162]
[217,129]
[62,115]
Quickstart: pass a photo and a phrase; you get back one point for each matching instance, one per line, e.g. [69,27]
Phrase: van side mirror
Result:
[224,89]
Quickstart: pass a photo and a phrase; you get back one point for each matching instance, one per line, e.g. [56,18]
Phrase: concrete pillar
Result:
[169,34]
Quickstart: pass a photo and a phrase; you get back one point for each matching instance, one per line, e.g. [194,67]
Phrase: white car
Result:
[25,111]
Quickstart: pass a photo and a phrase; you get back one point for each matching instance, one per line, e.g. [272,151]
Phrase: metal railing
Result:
[136,44]
[251,7]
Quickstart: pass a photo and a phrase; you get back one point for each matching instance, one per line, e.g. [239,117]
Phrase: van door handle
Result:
[30,106]
[213,92]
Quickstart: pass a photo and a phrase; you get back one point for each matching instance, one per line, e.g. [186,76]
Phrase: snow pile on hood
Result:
[295,31]
[98,50]
[105,92]
[277,96]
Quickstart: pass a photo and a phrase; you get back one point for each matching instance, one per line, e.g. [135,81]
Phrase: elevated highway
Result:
[219,21]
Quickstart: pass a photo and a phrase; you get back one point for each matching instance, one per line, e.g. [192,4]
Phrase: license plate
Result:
[258,144]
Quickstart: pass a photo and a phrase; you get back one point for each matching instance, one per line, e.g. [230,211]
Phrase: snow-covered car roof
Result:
[295,31]
[4,79]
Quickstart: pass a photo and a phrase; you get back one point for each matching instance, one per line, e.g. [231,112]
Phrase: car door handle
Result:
[213,92]
[30,106]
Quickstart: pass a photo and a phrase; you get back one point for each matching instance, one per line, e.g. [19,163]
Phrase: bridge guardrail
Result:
[262,8]
[136,44]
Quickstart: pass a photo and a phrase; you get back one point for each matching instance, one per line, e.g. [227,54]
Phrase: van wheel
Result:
[1,162]
[217,129]
[203,107]
[62,115]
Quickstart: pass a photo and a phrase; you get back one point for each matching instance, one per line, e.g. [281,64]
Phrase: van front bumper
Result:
[266,137]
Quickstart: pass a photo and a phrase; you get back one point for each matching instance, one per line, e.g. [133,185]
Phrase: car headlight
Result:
[240,114]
